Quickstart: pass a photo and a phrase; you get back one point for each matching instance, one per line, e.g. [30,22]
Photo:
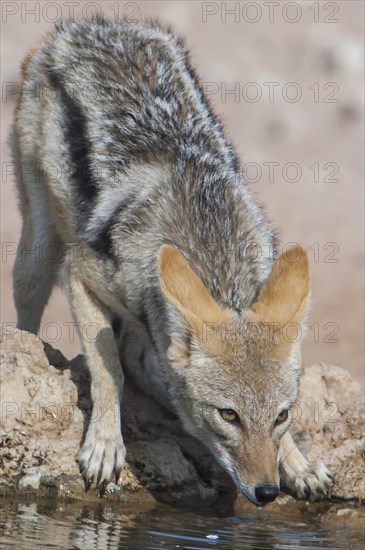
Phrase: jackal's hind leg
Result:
[39,256]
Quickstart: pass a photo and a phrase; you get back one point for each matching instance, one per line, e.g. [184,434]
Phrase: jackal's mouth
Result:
[253,501]
[244,489]
[259,496]
[249,494]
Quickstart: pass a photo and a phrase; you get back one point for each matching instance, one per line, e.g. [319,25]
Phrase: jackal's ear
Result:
[186,291]
[285,296]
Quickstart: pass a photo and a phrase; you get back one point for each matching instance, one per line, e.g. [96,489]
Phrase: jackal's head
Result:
[235,379]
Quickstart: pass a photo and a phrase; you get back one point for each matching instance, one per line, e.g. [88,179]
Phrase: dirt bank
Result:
[46,405]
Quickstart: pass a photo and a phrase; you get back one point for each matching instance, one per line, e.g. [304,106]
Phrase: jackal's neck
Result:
[221,230]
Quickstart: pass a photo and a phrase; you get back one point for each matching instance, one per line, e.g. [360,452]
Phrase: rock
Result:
[46,405]
[30,481]
[344,511]
[161,462]
[326,393]
[40,424]
[344,518]
[330,427]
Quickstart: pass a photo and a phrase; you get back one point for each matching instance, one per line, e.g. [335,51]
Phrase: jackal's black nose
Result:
[266,493]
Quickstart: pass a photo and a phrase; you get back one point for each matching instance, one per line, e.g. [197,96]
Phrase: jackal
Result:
[127,176]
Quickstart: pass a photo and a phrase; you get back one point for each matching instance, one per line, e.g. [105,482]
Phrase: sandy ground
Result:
[288,82]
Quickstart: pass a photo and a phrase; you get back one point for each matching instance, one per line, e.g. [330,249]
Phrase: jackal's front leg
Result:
[300,478]
[103,451]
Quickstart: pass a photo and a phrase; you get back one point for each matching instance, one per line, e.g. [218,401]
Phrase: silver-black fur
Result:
[154,227]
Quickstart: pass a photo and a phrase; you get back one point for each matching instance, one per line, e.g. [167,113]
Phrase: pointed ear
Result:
[285,296]
[186,291]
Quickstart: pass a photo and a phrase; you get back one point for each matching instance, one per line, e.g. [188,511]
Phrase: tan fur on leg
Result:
[103,451]
[302,479]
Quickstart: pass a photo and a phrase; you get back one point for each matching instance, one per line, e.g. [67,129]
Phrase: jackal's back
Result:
[143,158]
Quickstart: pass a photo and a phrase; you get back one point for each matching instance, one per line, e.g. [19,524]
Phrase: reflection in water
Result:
[105,526]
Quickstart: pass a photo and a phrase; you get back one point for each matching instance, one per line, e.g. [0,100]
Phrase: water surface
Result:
[105,526]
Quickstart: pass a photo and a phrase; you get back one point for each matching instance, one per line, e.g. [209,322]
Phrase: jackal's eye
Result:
[282,417]
[229,415]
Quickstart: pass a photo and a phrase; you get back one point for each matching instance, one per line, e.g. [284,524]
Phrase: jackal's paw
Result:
[100,457]
[310,482]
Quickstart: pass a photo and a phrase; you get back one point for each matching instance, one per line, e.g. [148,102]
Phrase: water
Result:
[105,526]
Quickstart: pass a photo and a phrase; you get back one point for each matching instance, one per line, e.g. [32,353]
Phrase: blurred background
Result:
[287,79]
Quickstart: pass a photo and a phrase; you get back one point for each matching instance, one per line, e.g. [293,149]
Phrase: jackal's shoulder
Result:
[120,44]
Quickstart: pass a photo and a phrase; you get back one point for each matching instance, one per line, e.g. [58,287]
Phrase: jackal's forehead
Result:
[250,342]
[244,374]
[238,367]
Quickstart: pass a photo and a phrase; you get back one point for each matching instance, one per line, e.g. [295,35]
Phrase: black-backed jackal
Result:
[127,174]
